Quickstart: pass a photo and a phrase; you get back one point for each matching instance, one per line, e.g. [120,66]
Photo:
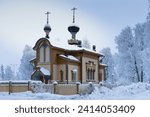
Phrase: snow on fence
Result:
[39,87]
[42,88]
[64,89]
[55,88]
[86,88]
[16,86]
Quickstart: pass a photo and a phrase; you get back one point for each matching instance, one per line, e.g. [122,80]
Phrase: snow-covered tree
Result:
[146,51]
[138,51]
[2,72]
[26,68]
[125,61]
[0,75]
[86,44]
[9,74]
[108,60]
[133,57]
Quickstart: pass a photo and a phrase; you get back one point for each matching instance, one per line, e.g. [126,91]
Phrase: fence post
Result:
[78,84]
[10,87]
[29,85]
[54,85]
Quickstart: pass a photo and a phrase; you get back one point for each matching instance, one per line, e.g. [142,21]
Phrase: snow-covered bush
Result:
[55,83]
[86,88]
[39,87]
[78,83]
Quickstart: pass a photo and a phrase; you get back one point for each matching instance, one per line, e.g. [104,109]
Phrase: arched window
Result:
[61,76]
[47,54]
[74,75]
[44,53]
[90,71]
[41,54]
[93,75]
[88,74]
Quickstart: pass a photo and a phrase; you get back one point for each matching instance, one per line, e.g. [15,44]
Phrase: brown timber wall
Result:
[12,87]
[62,89]
[65,89]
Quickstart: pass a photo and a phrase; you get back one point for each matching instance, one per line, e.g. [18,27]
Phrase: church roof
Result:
[44,71]
[69,57]
[103,65]
[65,46]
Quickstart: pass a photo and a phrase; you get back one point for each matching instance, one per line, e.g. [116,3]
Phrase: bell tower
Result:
[47,27]
[73,29]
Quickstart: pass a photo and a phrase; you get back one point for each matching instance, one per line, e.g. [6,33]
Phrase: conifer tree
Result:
[26,68]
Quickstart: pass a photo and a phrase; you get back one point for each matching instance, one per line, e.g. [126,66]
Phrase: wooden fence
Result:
[11,87]
[35,87]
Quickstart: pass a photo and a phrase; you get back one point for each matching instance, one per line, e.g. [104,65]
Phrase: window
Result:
[90,71]
[61,76]
[44,53]
[41,54]
[93,74]
[88,74]
[47,54]
[74,75]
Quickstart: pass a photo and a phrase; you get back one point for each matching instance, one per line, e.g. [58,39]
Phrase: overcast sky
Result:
[22,22]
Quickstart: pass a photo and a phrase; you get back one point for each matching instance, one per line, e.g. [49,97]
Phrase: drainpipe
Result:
[81,71]
[67,72]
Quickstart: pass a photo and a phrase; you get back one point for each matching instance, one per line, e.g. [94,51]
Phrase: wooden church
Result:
[69,64]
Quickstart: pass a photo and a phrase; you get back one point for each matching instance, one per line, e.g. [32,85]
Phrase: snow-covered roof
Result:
[44,71]
[32,59]
[70,57]
[66,46]
[103,65]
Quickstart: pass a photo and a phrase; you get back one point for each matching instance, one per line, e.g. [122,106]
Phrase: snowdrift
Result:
[129,92]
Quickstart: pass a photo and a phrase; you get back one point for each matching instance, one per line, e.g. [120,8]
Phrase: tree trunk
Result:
[136,69]
[141,74]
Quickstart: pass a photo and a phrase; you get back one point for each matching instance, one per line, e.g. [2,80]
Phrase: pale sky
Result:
[22,22]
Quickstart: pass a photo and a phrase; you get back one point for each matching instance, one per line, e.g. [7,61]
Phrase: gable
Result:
[40,42]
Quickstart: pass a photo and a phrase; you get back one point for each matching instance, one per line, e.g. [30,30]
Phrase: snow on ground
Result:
[133,91]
